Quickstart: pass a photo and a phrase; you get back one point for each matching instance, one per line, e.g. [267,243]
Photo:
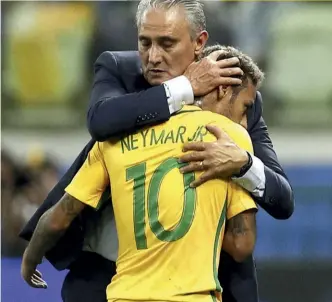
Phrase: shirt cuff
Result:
[178,92]
[254,180]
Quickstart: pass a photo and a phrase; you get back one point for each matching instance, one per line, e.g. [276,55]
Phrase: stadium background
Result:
[47,53]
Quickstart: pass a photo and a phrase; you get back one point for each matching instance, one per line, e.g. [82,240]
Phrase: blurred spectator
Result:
[43,168]
[23,188]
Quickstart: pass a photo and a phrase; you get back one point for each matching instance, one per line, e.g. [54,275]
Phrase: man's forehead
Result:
[163,22]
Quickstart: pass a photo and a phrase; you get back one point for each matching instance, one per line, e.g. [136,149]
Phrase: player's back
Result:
[169,234]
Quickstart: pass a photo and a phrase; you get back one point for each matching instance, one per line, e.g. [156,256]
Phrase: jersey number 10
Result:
[137,173]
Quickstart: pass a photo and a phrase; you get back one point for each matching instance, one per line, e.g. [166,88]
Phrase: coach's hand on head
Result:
[223,158]
[208,73]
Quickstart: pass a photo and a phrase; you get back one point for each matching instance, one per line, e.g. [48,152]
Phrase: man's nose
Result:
[155,55]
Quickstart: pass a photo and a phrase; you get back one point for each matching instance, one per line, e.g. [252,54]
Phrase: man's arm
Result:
[240,235]
[238,279]
[277,198]
[51,227]
[86,187]
[113,111]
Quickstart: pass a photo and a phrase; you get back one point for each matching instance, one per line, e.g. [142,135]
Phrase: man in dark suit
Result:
[129,93]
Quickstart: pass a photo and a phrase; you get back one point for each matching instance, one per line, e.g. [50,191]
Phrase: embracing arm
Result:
[278,198]
[266,179]
[240,235]
[51,227]
[113,111]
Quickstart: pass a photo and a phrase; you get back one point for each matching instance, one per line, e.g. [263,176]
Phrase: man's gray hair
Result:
[193,9]
[248,66]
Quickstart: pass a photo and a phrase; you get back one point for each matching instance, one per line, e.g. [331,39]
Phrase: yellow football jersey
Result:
[170,235]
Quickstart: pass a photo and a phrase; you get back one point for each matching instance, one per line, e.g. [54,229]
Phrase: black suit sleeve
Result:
[278,198]
[112,111]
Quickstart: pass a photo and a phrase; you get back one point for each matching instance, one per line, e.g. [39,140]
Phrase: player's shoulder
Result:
[203,115]
[209,117]
[235,131]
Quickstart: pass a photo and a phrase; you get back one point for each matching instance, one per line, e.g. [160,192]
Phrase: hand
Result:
[219,159]
[208,73]
[29,273]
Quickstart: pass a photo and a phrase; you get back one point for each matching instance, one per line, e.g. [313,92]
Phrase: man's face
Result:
[235,108]
[165,45]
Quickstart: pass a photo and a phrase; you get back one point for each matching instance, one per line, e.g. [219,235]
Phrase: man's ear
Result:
[200,43]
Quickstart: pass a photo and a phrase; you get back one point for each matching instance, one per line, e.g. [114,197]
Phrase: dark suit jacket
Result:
[121,101]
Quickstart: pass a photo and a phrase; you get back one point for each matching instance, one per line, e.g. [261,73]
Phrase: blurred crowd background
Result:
[48,50]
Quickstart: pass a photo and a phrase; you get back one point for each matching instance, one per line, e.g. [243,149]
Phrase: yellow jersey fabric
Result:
[170,235]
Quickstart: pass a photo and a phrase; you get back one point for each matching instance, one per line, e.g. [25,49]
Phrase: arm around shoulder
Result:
[112,110]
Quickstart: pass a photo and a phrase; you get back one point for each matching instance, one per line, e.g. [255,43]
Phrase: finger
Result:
[193,167]
[228,81]
[38,282]
[192,157]
[37,278]
[38,273]
[228,62]
[32,282]
[196,146]
[216,131]
[229,72]
[215,55]
[208,175]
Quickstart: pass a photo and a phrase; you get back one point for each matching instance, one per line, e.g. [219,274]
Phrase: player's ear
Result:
[221,92]
[224,92]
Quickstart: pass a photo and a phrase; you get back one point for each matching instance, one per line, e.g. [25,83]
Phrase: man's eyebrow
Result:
[167,38]
[142,37]
[161,38]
